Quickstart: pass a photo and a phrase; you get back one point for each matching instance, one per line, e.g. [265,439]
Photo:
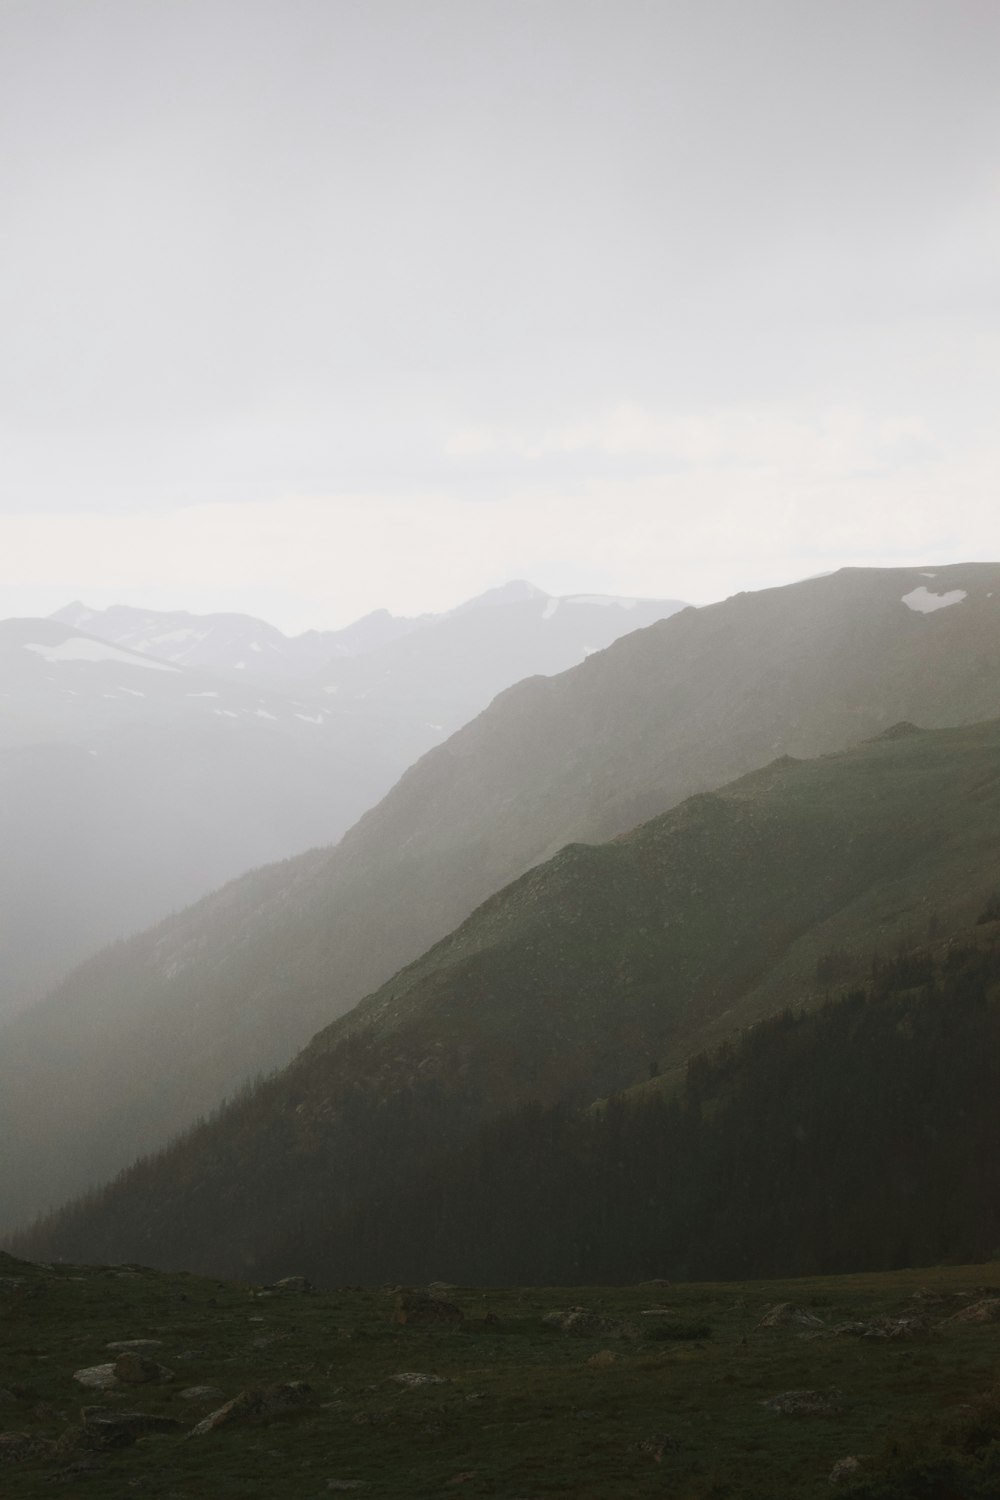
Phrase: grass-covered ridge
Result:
[519,1409]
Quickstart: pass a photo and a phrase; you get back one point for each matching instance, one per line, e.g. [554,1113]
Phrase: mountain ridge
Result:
[673,709]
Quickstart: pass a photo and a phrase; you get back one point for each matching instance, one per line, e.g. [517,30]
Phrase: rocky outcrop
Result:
[259,1404]
[582,1323]
[786,1314]
[135,1369]
[426,1310]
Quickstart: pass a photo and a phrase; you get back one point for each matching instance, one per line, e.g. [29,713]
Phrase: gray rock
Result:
[120,1429]
[912,1327]
[414,1377]
[136,1369]
[124,1344]
[97,1377]
[845,1468]
[428,1311]
[784,1314]
[258,1404]
[201,1393]
[986,1311]
[583,1323]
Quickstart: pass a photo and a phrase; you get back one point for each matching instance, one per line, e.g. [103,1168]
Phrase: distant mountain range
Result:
[251,650]
[145,759]
[238,982]
[601,967]
[234,643]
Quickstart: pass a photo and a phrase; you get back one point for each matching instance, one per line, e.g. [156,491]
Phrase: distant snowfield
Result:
[82,648]
[925,603]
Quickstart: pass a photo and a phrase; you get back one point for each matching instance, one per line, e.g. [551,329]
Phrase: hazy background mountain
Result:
[140,769]
[224,643]
[597,969]
[145,1036]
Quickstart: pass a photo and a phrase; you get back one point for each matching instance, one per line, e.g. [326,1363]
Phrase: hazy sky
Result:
[308,306]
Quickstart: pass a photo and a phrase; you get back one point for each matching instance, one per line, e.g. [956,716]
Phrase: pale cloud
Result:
[731,502]
[743,436]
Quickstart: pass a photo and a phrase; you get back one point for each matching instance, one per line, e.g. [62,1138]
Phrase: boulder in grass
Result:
[414,1377]
[985,1311]
[97,1377]
[120,1429]
[845,1468]
[258,1404]
[201,1393]
[122,1345]
[583,1323]
[912,1327]
[422,1309]
[786,1314]
[136,1369]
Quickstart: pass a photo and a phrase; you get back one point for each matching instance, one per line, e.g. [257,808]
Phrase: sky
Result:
[309,307]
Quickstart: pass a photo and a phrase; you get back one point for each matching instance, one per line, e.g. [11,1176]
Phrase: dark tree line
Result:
[863,1135]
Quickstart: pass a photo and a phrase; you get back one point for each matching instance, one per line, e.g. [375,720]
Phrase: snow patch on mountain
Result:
[925,603]
[82,648]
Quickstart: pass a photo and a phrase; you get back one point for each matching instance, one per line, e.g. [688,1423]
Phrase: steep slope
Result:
[572,983]
[242,980]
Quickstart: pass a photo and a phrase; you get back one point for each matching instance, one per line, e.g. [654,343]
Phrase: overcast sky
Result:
[309,306]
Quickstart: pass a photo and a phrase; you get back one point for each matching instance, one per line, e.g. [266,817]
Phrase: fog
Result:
[657,297]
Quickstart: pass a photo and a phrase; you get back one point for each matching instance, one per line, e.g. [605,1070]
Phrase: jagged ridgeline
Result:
[157,1030]
[448,1125]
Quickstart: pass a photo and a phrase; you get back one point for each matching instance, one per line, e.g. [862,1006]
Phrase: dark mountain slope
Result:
[861,1135]
[239,982]
[570,984]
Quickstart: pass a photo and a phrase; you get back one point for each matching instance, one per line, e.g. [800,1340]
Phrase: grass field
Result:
[668,1405]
